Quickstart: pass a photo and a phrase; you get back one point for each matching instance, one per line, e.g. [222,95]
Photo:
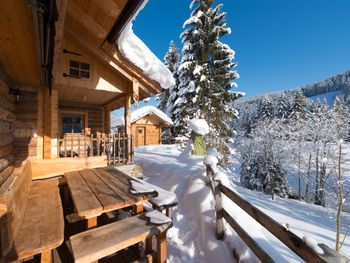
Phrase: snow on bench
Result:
[164,200]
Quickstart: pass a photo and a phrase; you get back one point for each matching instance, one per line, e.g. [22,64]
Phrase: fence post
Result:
[215,187]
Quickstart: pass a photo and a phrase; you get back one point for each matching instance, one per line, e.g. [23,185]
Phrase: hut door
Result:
[140,136]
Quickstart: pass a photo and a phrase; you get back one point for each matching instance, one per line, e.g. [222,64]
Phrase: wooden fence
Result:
[113,146]
[295,243]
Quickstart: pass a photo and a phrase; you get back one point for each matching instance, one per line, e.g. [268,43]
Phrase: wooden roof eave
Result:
[146,84]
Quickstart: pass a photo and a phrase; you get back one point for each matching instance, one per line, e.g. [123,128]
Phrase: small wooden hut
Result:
[147,124]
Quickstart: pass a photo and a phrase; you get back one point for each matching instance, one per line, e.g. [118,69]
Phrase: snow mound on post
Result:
[312,243]
[212,161]
[199,126]
[133,48]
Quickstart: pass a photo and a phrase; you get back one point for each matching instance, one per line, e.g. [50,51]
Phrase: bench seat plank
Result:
[100,242]
[42,227]
[85,201]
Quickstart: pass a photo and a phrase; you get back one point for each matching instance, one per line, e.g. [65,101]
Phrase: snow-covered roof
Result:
[135,50]
[141,112]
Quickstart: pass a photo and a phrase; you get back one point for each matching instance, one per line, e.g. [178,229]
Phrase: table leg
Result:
[161,247]
[138,209]
[149,245]
[45,256]
[91,222]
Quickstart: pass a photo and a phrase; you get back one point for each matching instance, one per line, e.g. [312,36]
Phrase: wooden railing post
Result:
[215,187]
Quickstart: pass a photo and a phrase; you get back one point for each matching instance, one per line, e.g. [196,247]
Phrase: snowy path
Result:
[192,238]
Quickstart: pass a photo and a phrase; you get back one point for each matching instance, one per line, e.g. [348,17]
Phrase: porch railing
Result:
[292,241]
[114,146]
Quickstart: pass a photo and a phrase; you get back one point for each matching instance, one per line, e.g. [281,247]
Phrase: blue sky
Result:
[279,44]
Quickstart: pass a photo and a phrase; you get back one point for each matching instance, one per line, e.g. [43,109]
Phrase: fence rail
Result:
[292,241]
[113,146]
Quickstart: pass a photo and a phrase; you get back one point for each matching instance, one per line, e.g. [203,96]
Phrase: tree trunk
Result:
[316,180]
[299,177]
[340,201]
[307,178]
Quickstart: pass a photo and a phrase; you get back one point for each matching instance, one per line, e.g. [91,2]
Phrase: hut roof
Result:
[142,112]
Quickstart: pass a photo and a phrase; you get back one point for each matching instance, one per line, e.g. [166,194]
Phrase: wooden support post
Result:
[161,247]
[91,222]
[107,119]
[215,187]
[45,256]
[169,212]
[127,117]
[47,124]
[50,123]
[149,245]
[220,231]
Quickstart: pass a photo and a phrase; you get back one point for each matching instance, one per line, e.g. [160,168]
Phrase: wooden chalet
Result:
[147,124]
[61,74]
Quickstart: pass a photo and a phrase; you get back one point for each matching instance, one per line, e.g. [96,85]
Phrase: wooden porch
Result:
[64,217]
[61,75]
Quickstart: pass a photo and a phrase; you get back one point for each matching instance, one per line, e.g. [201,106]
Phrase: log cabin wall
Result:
[7,119]
[93,113]
[25,126]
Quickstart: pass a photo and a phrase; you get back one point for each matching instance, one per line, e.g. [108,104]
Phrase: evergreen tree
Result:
[283,107]
[167,97]
[205,74]
[299,106]
[265,108]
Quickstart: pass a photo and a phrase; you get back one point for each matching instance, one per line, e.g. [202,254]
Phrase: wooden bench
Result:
[31,217]
[106,240]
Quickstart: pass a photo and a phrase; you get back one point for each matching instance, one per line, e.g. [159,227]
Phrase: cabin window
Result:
[72,124]
[140,130]
[79,69]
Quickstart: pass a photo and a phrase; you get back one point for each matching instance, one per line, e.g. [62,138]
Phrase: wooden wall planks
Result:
[25,127]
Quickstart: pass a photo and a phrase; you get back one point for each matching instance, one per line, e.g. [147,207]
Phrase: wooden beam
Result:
[107,119]
[146,84]
[6,150]
[59,27]
[252,244]
[127,116]
[85,20]
[109,7]
[7,115]
[5,78]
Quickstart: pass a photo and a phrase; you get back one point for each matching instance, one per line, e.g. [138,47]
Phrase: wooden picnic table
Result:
[100,190]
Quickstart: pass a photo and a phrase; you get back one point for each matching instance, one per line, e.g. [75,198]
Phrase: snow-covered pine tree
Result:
[168,96]
[205,74]
[283,107]
[265,108]
[299,105]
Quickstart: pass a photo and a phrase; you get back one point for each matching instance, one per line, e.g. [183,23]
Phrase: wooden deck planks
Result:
[44,217]
[106,196]
[85,202]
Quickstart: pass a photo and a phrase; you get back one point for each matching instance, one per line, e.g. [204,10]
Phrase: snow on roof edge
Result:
[135,50]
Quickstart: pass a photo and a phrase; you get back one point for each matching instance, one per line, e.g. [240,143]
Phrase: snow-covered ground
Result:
[192,238]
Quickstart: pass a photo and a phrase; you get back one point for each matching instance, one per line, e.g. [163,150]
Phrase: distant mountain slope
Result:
[326,89]
[340,82]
